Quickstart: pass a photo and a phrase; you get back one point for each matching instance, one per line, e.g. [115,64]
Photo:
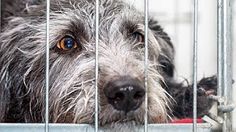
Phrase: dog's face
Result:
[72,63]
[120,61]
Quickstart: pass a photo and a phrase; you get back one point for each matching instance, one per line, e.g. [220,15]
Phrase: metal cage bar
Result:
[57,127]
[227,47]
[219,45]
[195,60]
[47,68]
[224,72]
[224,54]
[146,65]
[96,67]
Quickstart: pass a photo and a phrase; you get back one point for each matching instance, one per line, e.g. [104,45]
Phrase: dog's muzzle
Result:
[125,94]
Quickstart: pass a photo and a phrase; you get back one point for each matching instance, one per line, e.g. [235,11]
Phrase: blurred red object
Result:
[186,120]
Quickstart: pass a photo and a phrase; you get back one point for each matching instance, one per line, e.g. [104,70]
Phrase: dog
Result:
[121,66]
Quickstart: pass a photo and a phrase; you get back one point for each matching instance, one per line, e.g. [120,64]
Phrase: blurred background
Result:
[176,18]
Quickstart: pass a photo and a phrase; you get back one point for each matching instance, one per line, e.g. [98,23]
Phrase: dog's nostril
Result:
[119,96]
[125,94]
[139,95]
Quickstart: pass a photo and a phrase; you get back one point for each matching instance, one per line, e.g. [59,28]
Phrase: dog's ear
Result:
[166,57]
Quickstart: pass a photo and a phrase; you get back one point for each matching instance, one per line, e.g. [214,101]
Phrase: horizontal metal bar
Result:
[203,127]
[219,99]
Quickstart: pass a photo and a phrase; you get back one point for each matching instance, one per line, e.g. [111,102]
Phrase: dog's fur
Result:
[72,75]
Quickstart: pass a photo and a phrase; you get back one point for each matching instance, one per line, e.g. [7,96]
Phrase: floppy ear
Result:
[166,57]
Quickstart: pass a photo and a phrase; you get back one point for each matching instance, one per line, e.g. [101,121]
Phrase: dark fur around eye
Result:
[139,37]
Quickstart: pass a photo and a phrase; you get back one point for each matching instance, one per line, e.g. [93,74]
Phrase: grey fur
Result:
[71,95]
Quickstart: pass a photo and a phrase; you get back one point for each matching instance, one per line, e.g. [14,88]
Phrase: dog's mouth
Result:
[130,125]
[134,117]
[123,121]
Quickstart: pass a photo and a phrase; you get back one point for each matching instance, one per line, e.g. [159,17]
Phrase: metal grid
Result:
[224,42]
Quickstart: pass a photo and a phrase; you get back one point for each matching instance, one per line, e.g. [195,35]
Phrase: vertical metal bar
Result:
[227,50]
[146,67]
[96,66]
[195,59]
[224,12]
[220,55]
[220,41]
[47,68]
[224,42]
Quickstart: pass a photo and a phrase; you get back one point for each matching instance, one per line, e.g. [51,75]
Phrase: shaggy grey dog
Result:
[72,64]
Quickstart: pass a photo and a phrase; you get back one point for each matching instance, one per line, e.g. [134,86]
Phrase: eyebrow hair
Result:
[128,27]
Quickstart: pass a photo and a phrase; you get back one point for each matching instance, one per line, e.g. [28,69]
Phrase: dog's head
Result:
[121,62]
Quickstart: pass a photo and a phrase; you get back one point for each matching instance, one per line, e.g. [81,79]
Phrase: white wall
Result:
[176,18]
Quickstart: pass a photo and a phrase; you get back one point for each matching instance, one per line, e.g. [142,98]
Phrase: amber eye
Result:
[139,37]
[67,43]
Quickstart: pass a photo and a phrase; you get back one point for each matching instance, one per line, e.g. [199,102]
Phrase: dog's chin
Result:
[121,117]
[124,122]
[122,126]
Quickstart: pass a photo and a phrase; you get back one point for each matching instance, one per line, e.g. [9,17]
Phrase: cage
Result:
[186,22]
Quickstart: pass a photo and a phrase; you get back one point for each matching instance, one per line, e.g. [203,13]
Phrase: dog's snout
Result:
[125,94]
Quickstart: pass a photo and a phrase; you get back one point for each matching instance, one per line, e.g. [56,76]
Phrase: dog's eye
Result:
[139,37]
[67,43]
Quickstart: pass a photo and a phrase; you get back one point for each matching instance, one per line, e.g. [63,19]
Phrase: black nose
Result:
[125,94]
